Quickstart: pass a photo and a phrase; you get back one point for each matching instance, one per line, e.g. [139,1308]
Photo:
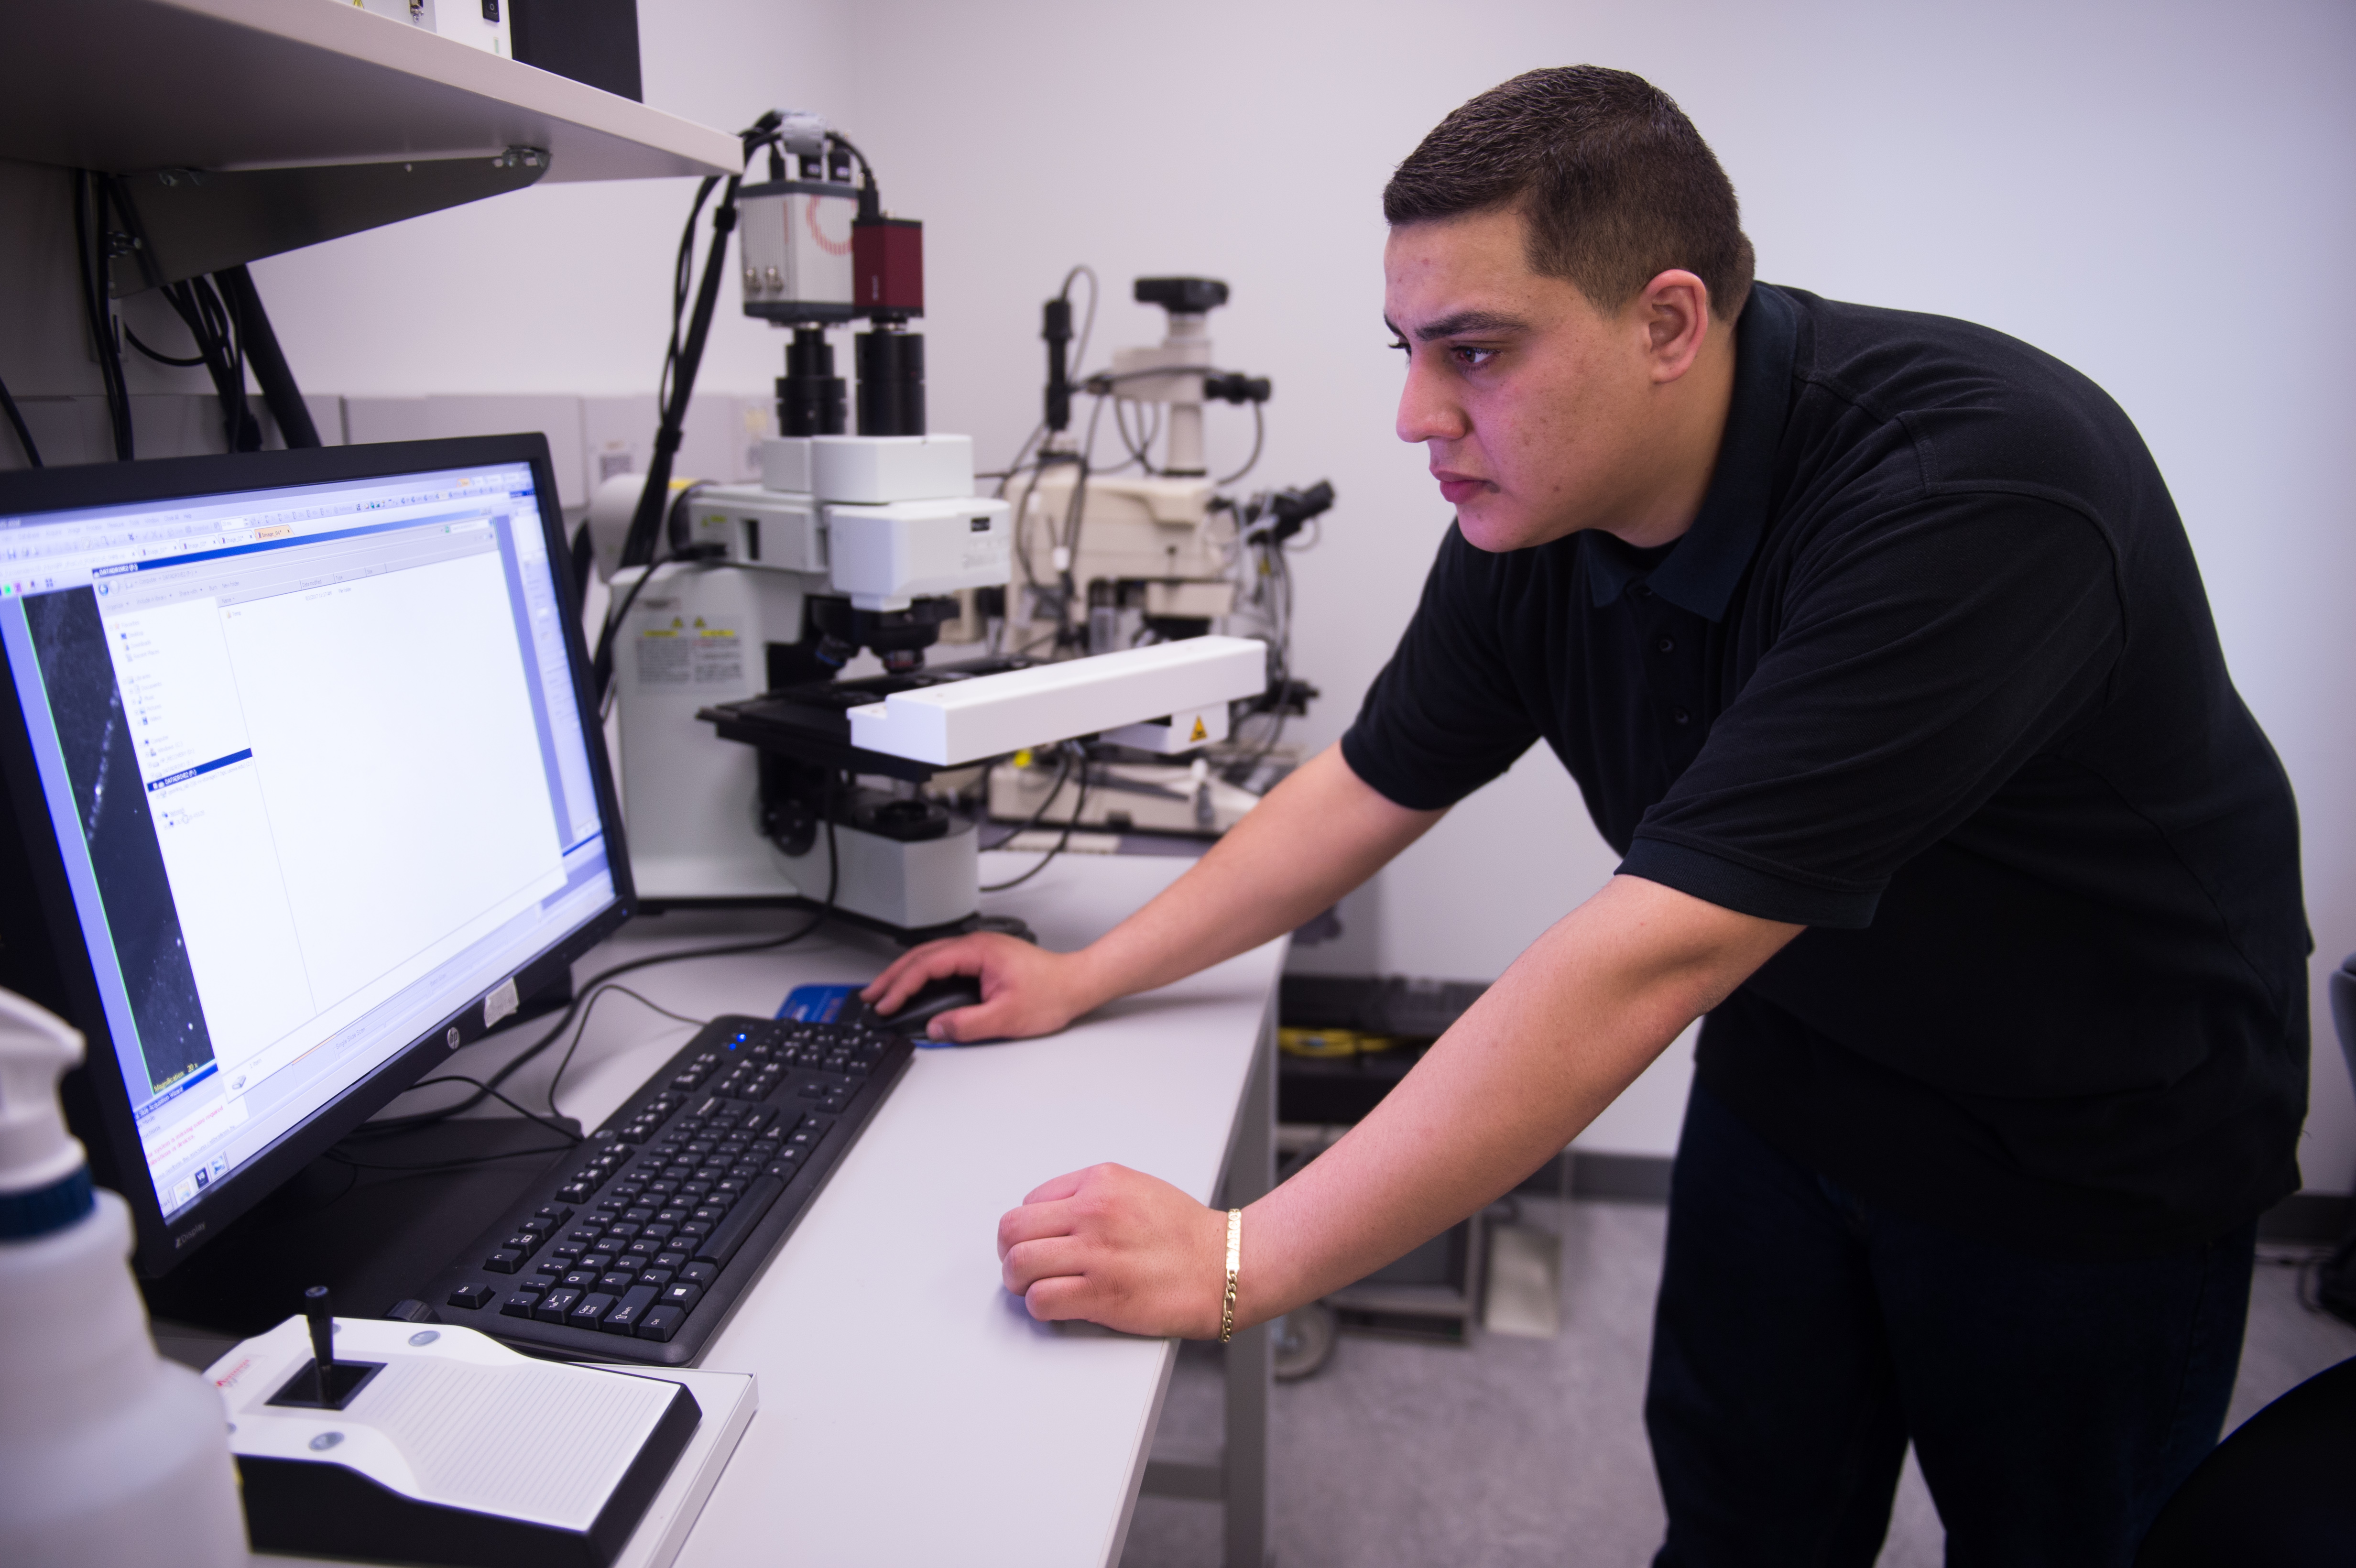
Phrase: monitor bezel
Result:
[98,1102]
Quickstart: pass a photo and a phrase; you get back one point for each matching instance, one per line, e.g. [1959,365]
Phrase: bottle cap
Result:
[43,1173]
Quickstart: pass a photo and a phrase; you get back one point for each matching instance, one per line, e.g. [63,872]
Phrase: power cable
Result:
[580,996]
[90,201]
[1080,804]
[566,1061]
[173,359]
[16,422]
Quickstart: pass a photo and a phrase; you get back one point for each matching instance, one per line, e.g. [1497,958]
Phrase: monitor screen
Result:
[315,765]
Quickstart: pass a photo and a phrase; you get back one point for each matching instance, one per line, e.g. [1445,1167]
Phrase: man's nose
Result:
[1427,411]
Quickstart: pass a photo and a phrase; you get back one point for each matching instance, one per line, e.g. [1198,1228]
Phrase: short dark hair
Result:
[1616,184]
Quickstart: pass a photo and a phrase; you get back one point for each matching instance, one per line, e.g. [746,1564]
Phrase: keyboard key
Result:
[536,1226]
[471,1297]
[590,1310]
[598,1261]
[618,1281]
[556,1304]
[662,1277]
[576,1191]
[670,1260]
[700,1274]
[623,1318]
[731,1232]
[580,1279]
[661,1323]
[657,1230]
[569,1252]
[507,1259]
[525,1242]
[556,1214]
[519,1305]
[682,1295]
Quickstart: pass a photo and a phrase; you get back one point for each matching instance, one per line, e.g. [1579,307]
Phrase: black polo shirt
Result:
[1932,674]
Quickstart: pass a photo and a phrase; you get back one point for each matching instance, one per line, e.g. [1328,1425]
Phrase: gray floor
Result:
[1521,1451]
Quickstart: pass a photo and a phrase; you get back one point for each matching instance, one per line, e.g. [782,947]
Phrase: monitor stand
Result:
[372,1236]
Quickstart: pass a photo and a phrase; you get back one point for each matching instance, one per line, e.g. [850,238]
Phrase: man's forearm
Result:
[1568,1027]
[1316,835]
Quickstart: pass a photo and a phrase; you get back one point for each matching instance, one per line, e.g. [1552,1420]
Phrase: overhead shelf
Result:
[126,86]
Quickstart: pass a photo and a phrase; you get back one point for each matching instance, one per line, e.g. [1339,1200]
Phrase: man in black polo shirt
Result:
[1877,651]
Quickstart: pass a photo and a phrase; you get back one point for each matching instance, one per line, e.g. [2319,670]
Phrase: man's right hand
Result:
[1316,835]
[1025,990]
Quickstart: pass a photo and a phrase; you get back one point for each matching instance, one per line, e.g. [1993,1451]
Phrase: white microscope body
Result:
[852,542]
[873,523]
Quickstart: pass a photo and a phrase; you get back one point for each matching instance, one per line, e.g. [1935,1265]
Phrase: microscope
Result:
[750,771]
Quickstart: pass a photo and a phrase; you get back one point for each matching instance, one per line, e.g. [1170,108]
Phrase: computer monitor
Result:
[308,789]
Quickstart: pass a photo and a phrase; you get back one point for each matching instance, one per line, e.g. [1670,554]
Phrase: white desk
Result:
[911,1411]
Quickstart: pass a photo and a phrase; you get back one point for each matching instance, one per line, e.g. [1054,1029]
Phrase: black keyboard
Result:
[635,1245]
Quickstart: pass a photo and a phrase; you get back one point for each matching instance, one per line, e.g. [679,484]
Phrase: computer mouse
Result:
[933,998]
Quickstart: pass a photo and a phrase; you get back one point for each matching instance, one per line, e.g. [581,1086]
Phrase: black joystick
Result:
[325,1384]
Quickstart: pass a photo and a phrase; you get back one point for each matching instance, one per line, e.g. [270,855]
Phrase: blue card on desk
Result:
[841,1004]
[815,1004]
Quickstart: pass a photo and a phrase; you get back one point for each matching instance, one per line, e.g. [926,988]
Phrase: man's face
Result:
[1533,404]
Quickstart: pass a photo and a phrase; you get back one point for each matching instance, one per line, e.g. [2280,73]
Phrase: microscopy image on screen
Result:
[110,804]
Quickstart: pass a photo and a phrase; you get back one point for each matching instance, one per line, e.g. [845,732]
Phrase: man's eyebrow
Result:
[1462,323]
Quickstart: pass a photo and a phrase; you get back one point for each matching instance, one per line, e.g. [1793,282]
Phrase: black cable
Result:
[566,1060]
[280,393]
[431,1165]
[587,989]
[615,616]
[682,359]
[368,1128]
[90,268]
[1080,804]
[188,364]
[596,984]
[17,422]
[208,321]
[1062,772]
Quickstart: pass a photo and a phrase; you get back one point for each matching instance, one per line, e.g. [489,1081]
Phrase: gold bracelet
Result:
[1235,1260]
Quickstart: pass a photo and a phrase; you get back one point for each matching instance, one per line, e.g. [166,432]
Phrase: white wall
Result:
[562,288]
[2158,193]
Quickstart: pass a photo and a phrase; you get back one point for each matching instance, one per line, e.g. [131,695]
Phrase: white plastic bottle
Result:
[109,1454]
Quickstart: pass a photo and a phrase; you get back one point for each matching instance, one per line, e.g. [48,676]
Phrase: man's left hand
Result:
[1120,1248]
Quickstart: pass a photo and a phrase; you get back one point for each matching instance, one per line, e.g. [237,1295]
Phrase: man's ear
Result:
[1673,311]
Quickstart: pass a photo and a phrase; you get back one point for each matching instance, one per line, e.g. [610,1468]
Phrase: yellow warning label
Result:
[1200,732]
